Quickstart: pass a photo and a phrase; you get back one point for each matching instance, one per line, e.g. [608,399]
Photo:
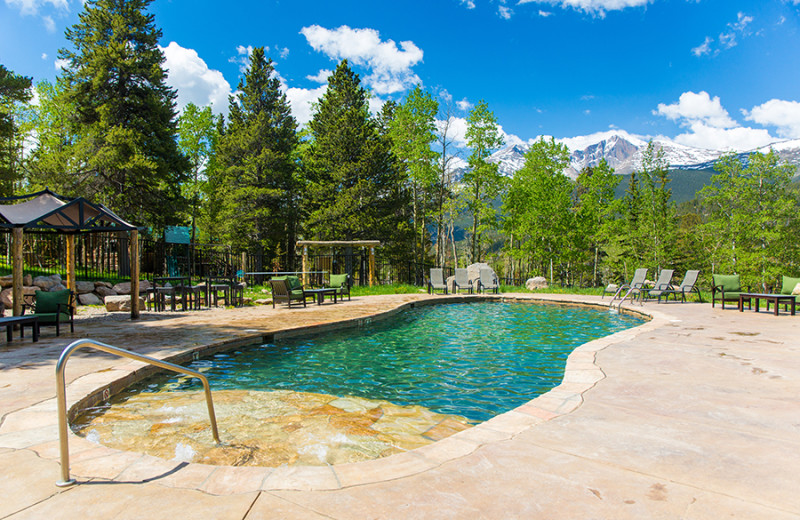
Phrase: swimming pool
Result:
[431,369]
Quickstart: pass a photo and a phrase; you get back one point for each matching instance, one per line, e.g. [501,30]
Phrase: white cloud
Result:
[390,66]
[504,12]
[710,126]
[457,133]
[49,24]
[44,55]
[785,115]
[321,76]
[464,104]
[703,48]
[242,57]
[545,14]
[301,101]
[60,64]
[194,81]
[30,7]
[697,107]
[469,3]
[597,7]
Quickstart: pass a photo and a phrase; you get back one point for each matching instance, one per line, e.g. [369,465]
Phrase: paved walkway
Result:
[692,415]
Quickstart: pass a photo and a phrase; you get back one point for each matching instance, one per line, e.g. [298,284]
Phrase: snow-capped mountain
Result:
[623,152]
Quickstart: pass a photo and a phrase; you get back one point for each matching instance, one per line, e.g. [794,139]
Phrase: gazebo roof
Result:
[46,210]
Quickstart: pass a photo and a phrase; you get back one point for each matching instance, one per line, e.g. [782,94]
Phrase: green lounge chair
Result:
[725,288]
[788,285]
[341,282]
[436,281]
[288,289]
[53,308]
[688,285]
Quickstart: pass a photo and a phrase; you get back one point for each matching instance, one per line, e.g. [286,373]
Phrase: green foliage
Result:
[538,206]
[256,170]
[482,182]
[355,190]
[197,139]
[14,92]
[751,225]
[127,155]
[412,131]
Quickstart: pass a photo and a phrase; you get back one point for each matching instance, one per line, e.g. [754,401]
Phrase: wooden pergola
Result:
[47,211]
[371,244]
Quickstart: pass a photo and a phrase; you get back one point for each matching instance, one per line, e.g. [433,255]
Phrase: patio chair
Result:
[788,286]
[436,281]
[725,287]
[288,289]
[633,288]
[53,308]
[341,282]
[462,281]
[688,285]
[488,281]
[663,283]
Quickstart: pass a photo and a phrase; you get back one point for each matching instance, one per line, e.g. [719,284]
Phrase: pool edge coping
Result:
[581,374]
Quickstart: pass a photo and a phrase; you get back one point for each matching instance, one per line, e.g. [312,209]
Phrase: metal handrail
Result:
[61,394]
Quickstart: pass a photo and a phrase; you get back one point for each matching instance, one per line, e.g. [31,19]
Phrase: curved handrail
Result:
[61,394]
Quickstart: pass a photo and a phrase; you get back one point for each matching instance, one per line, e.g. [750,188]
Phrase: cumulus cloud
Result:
[390,66]
[784,115]
[710,126]
[31,7]
[700,107]
[595,7]
[457,133]
[703,48]
[60,64]
[469,3]
[505,12]
[464,104]
[194,81]
[321,76]
[301,100]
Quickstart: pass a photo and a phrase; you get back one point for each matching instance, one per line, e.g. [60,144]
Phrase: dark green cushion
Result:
[50,317]
[293,282]
[338,280]
[296,293]
[47,302]
[789,284]
[729,295]
[729,282]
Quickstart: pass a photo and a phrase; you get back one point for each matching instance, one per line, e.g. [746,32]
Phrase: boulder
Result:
[57,287]
[263,301]
[84,287]
[537,282]
[91,299]
[5,295]
[121,303]
[28,280]
[103,284]
[6,281]
[46,283]
[104,291]
[125,287]
[474,272]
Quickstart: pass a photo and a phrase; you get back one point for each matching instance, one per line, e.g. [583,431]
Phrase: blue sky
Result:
[719,74]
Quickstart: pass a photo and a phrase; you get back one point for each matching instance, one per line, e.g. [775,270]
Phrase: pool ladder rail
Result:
[61,394]
[632,291]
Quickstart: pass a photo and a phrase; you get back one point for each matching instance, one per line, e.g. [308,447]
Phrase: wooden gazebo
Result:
[47,211]
[371,244]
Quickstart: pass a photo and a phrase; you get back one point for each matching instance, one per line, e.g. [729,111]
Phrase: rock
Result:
[103,284]
[263,301]
[46,282]
[451,284]
[104,291]
[125,287]
[57,287]
[6,281]
[474,272]
[28,280]
[121,303]
[5,295]
[538,282]
[91,299]
[247,301]
[84,287]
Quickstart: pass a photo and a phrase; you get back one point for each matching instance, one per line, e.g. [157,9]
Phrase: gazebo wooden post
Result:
[17,268]
[305,265]
[133,238]
[371,266]
[71,265]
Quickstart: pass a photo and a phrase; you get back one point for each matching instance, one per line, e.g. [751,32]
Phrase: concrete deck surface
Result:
[694,415]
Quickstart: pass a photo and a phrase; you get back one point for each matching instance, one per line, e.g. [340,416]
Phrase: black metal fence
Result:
[105,256]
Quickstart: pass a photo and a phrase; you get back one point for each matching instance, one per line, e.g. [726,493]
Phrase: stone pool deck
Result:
[694,415]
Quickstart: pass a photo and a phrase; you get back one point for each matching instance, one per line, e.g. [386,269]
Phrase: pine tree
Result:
[116,81]
[14,90]
[256,163]
[354,186]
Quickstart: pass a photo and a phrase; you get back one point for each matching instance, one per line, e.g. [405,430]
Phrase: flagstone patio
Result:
[691,415]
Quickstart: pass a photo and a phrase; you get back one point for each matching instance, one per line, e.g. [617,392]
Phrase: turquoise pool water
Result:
[476,360]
